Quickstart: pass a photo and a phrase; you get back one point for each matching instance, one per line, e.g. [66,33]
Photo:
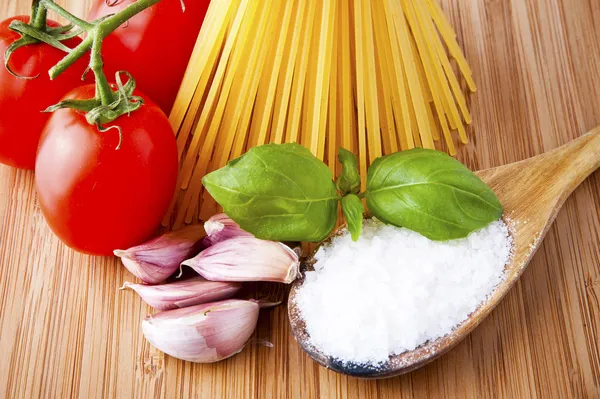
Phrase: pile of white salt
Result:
[394,289]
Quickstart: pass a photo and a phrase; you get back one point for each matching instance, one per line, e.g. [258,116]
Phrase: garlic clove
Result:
[264,304]
[180,294]
[247,259]
[204,333]
[220,228]
[156,260]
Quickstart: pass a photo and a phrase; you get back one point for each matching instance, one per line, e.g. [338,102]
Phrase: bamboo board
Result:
[66,330]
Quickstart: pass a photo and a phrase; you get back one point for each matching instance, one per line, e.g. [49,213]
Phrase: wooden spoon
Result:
[531,192]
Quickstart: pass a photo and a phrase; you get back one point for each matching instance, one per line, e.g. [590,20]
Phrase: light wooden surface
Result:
[66,330]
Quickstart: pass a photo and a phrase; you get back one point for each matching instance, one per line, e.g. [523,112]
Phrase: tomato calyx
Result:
[37,31]
[98,114]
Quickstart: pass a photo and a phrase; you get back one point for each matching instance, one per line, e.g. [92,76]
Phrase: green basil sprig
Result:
[431,193]
[353,209]
[282,192]
[277,192]
[348,183]
[349,180]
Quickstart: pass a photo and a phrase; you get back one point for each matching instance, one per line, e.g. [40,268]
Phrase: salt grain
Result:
[394,289]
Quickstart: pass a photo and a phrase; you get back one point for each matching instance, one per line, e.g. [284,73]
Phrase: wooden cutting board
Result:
[67,331]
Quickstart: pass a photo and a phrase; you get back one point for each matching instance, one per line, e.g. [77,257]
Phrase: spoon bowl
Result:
[531,193]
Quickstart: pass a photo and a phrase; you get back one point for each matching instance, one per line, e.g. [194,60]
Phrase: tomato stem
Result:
[51,5]
[71,58]
[38,15]
[103,91]
[107,26]
[99,29]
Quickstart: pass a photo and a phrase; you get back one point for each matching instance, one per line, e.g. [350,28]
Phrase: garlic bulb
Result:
[180,294]
[247,259]
[203,333]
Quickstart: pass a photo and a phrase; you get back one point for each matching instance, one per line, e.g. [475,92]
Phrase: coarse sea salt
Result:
[394,289]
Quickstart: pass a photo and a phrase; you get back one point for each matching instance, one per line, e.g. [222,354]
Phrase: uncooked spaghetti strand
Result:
[182,138]
[242,73]
[451,76]
[212,99]
[371,100]
[414,133]
[244,134]
[206,204]
[448,102]
[209,208]
[353,91]
[319,122]
[202,84]
[384,85]
[310,94]
[360,90]
[428,66]
[332,121]
[186,127]
[401,98]
[425,88]
[443,25]
[310,86]
[346,113]
[430,59]
[249,74]
[216,21]
[211,126]
[428,87]
[264,103]
[298,87]
[284,90]
[254,54]
[449,37]
[434,129]
[418,100]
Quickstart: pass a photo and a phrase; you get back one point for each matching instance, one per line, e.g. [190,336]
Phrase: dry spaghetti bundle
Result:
[374,77]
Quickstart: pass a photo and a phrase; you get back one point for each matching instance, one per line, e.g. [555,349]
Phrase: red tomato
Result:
[95,197]
[22,101]
[154,46]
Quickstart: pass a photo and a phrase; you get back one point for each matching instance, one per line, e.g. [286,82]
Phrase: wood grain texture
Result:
[66,330]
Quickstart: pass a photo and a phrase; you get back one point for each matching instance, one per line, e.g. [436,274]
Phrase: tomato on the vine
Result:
[23,100]
[154,46]
[99,193]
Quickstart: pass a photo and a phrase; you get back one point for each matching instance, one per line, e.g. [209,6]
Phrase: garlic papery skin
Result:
[264,304]
[184,293]
[219,228]
[156,260]
[247,259]
[203,333]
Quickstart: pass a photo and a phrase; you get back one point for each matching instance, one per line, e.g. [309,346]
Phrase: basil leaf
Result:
[277,192]
[349,180]
[431,193]
[353,210]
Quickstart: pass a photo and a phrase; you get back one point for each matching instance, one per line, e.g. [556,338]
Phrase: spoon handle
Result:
[571,163]
[536,188]
[548,178]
